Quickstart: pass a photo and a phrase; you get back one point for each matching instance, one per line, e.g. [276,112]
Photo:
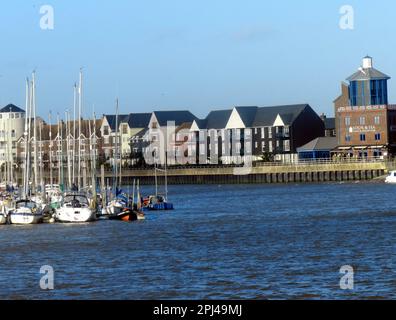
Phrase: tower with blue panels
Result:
[368,86]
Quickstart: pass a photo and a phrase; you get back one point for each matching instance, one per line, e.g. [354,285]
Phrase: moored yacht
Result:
[75,209]
[26,212]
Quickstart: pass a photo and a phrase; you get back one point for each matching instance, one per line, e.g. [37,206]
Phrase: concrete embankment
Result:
[298,173]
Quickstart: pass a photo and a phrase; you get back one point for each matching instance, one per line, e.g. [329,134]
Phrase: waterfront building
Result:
[129,127]
[55,141]
[12,127]
[249,134]
[365,121]
[161,134]
[110,132]
[317,149]
[138,144]
[208,140]
[330,129]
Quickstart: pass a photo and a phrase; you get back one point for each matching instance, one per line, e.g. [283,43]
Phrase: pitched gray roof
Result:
[217,119]
[112,120]
[139,120]
[178,117]
[319,144]
[247,115]
[266,116]
[367,74]
[11,108]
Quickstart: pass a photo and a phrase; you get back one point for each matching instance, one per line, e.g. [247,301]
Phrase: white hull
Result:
[75,215]
[25,218]
[3,219]
[114,207]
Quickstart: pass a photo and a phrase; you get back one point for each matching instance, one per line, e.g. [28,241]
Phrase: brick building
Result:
[365,122]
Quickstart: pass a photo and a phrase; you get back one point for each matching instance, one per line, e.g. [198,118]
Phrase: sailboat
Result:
[120,202]
[132,211]
[27,211]
[75,209]
[158,202]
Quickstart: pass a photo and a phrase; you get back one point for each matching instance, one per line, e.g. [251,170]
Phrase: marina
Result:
[289,243]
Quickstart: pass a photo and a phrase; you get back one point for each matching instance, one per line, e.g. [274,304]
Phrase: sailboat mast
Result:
[25,182]
[29,140]
[36,182]
[69,176]
[41,161]
[79,128]
[74,135]
[11,157]
[116,147]
[50,146]
[58,157]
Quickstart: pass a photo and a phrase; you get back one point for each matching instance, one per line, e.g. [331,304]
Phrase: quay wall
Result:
[261,175]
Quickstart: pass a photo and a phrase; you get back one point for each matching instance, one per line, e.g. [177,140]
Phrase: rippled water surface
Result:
[244,241]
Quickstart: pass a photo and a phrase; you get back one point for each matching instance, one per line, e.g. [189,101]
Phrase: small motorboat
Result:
[128,215]
[26,212]
[157,203]
[391,178]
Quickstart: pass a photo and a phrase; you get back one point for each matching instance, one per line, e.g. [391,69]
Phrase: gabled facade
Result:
[161,134]
[248,134]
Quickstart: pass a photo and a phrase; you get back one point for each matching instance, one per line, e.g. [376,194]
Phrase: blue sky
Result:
[196,55]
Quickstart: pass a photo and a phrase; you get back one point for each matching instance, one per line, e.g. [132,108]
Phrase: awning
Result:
[359,148]
[344,148]
[377,147]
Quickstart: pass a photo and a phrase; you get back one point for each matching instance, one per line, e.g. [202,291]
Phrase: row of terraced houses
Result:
[364,126]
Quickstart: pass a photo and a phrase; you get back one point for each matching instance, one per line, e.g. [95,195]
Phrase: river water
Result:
[231,242]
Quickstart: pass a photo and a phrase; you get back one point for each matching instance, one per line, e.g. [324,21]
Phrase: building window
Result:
[270,132]
[286,145]
[377,120]
[362,137]
[377,136]
[270,147]
[124,129]
[106,130]
[262,133]
[256,145]
[348,138]
[362,121]
[347,121]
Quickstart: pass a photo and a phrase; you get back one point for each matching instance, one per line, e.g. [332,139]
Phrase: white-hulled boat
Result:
[115,206]
[26,212]
[3,218]
[3,214]
[391,178]
[5,204]
[75,209]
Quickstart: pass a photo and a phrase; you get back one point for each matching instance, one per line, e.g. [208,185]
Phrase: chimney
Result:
[367,62]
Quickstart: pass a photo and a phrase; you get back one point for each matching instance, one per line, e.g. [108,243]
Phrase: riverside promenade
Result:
[303,172]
